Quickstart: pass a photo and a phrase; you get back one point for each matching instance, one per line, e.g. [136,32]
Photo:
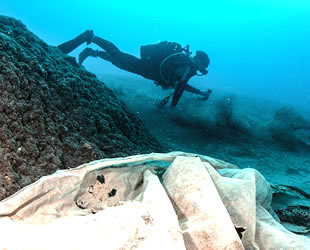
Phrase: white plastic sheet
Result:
[169,201]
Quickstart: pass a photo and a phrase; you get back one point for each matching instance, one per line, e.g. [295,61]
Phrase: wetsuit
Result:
[175,73]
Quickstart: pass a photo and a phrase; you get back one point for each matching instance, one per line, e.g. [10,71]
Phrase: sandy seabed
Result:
[270,137]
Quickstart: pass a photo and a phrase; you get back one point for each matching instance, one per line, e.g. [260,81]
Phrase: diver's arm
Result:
[184,86]
[191,89]
[178,93]
[184,76]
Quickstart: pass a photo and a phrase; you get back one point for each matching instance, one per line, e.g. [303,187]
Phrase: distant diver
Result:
[166,63]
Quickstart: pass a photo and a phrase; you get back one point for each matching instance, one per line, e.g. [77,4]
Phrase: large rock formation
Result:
[54,114]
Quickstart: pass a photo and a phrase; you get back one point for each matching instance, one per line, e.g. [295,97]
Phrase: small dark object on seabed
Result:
[112,193]
[101,179]
[240,230]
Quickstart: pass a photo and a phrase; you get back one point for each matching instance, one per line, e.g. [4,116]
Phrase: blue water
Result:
[257,48]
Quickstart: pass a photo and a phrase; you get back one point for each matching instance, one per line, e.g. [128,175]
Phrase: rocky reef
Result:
[54,114]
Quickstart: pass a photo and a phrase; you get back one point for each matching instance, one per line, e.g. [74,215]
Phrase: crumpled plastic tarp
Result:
[170,201]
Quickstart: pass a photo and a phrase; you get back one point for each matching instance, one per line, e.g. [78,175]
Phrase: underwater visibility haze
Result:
[258,113]
[257,48]
[56,114]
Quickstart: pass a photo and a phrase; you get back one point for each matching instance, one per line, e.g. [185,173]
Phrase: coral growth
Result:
[54,114]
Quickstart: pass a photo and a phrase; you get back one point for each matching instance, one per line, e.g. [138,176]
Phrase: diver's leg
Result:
[93,53]
[120,59]
[68,46]
[106,45]
[104,55]
[129,63]
[178,93]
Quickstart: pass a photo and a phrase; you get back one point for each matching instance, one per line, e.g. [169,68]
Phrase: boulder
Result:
[54,114]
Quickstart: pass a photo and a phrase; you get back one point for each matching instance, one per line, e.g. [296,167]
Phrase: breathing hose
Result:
[164,61]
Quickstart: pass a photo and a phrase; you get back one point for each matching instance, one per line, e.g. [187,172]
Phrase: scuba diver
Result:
[166,63]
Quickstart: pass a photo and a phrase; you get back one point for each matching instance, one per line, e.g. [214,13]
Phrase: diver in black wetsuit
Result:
[177,71]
